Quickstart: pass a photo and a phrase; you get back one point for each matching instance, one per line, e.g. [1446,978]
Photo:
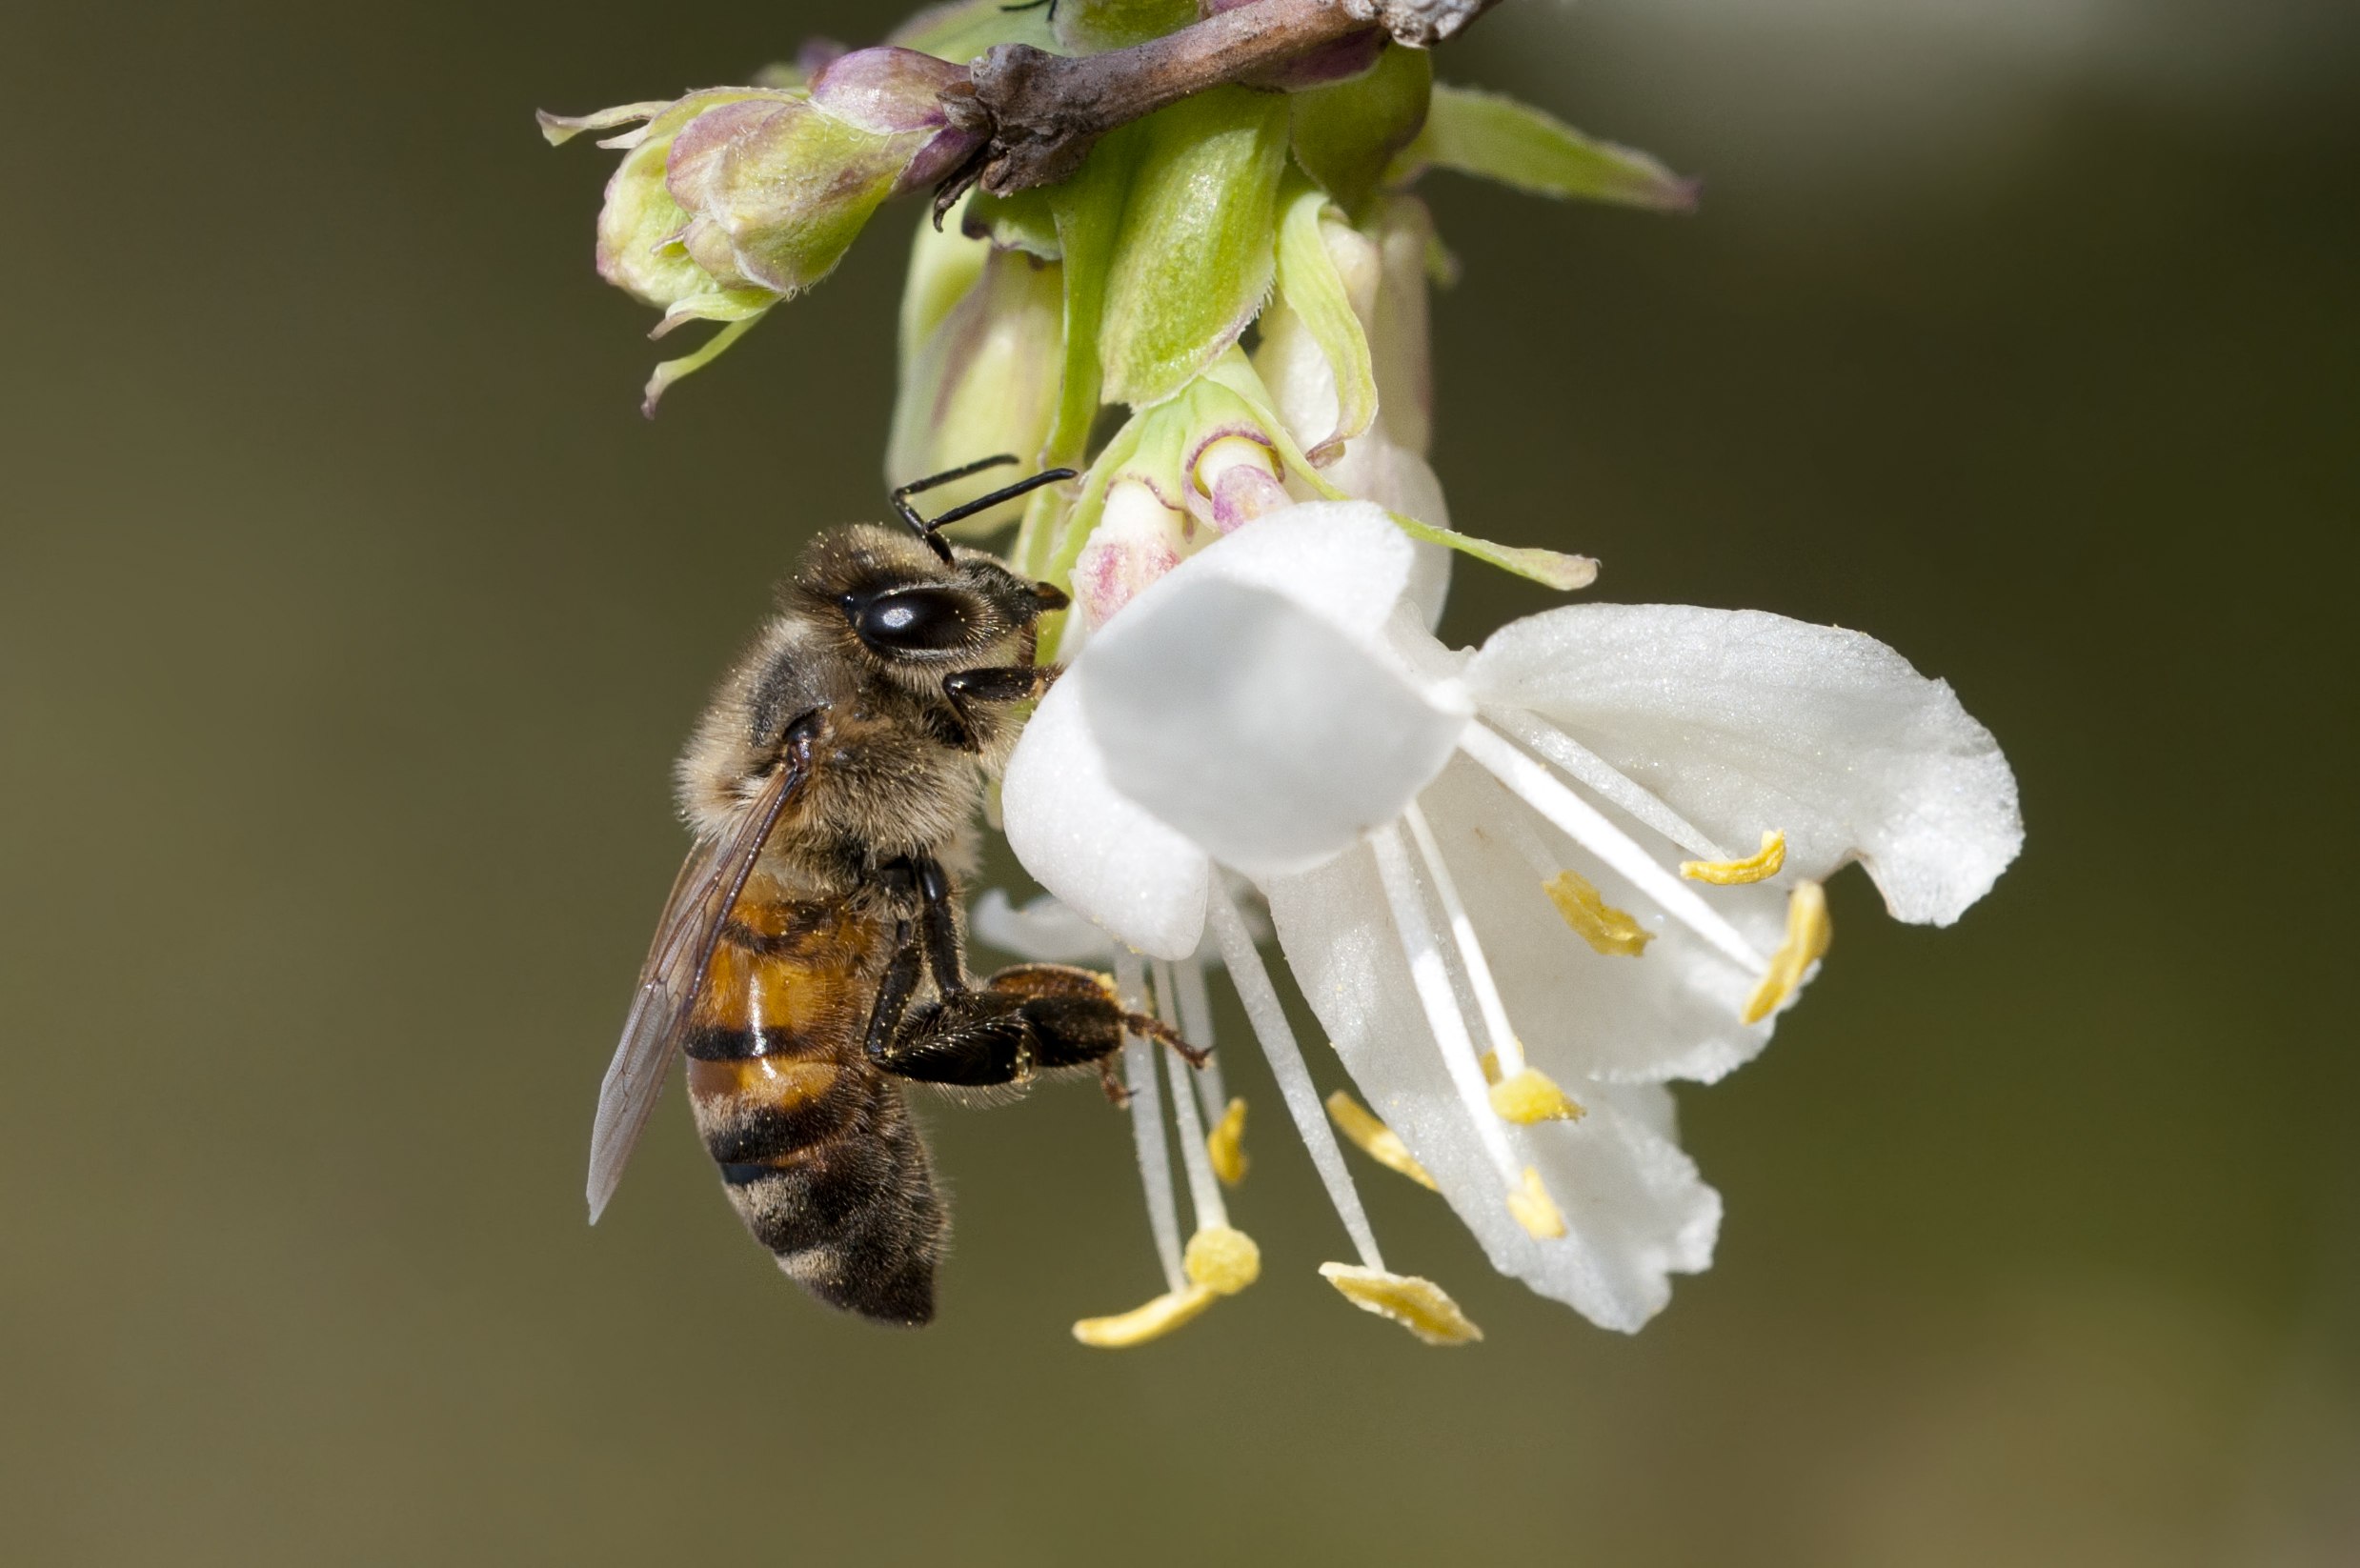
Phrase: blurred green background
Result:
[349,615]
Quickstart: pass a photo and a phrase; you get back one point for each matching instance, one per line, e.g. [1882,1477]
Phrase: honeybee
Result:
[810,958]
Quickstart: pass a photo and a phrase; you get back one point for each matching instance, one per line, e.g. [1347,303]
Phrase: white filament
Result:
[1588,768]
[1587,826]
[1286,1065]
[1204,1189]
[1506,1050]
[1196,1011]
[1154,1161]
[1430,973]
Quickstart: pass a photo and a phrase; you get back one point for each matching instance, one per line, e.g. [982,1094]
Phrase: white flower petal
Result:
[1091,846]
[1743,721]
[1259,729]
[1343,561]
[1635,1208]
[1041,930]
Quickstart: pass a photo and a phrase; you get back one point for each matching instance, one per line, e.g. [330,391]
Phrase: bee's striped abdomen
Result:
[816,1147]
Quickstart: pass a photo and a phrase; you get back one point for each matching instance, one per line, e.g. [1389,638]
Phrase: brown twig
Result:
[1040,112]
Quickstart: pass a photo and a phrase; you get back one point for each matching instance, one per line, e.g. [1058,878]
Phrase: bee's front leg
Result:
[1002,683]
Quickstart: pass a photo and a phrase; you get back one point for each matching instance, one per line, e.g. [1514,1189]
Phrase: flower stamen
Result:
[1155,1164]
[1374,1138]
[1587,766]
[1430,975]
[1759,867]
[1418,1305]
[1587,826]
[1609,930]
[1225,1145]
[1152,1322]
[1535,1210]
[1808,931]
[1530,1097]
[1286,1064]
[1504,1045]
[1196,1020]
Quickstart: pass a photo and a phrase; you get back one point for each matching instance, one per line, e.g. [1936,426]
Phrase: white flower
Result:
[1485,851]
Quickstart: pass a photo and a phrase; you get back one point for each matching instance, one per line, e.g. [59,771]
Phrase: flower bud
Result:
[1093,27]
[979,379]
[778,185]
[1193,259]
[1175,479]
[730,199]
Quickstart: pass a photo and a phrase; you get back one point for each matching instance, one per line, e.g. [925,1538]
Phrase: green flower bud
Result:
[979,379]
[1093,27]
[963,29]
[780,185]
[731,199]
[1193,259]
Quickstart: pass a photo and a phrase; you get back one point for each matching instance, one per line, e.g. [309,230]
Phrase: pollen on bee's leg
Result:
[1225,1144]
[1607,929]
[1152,1322]
[1759,867]
[1808,931]
[1375,1139]
[1534,1209]
[1418,1305]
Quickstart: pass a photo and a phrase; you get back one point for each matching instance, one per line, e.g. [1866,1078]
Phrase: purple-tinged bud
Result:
[730,199]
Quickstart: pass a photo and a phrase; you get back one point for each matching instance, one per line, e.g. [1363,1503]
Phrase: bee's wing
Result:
[702,896]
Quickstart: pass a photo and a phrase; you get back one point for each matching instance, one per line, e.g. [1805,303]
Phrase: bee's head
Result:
[894,605]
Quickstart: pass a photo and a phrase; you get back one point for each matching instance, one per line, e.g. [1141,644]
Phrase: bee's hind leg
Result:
[1021,1020]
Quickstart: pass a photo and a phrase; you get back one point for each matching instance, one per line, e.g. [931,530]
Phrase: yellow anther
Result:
[1534,1209]
[1490,1063]
[1532,1095]
[1152,1322]
[1223,1260]
[1758,867]
[1226,1144]
[1375,1139]
[1418,1305]
[1606,928]
[1808,934]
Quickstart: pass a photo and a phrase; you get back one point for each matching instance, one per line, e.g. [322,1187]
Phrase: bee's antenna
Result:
[925,527]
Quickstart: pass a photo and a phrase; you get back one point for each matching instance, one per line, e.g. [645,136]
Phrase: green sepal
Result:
[964,28]
[1093,27]
[689,364]
[1346,135]
[1026,221]
[1314,289]
[1549,568]
[1195,255]
[1498,138]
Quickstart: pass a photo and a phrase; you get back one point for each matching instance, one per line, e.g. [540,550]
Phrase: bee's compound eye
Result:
[914,620]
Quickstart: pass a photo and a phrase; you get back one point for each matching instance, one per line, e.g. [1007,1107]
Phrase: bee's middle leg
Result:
[1031,1017]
